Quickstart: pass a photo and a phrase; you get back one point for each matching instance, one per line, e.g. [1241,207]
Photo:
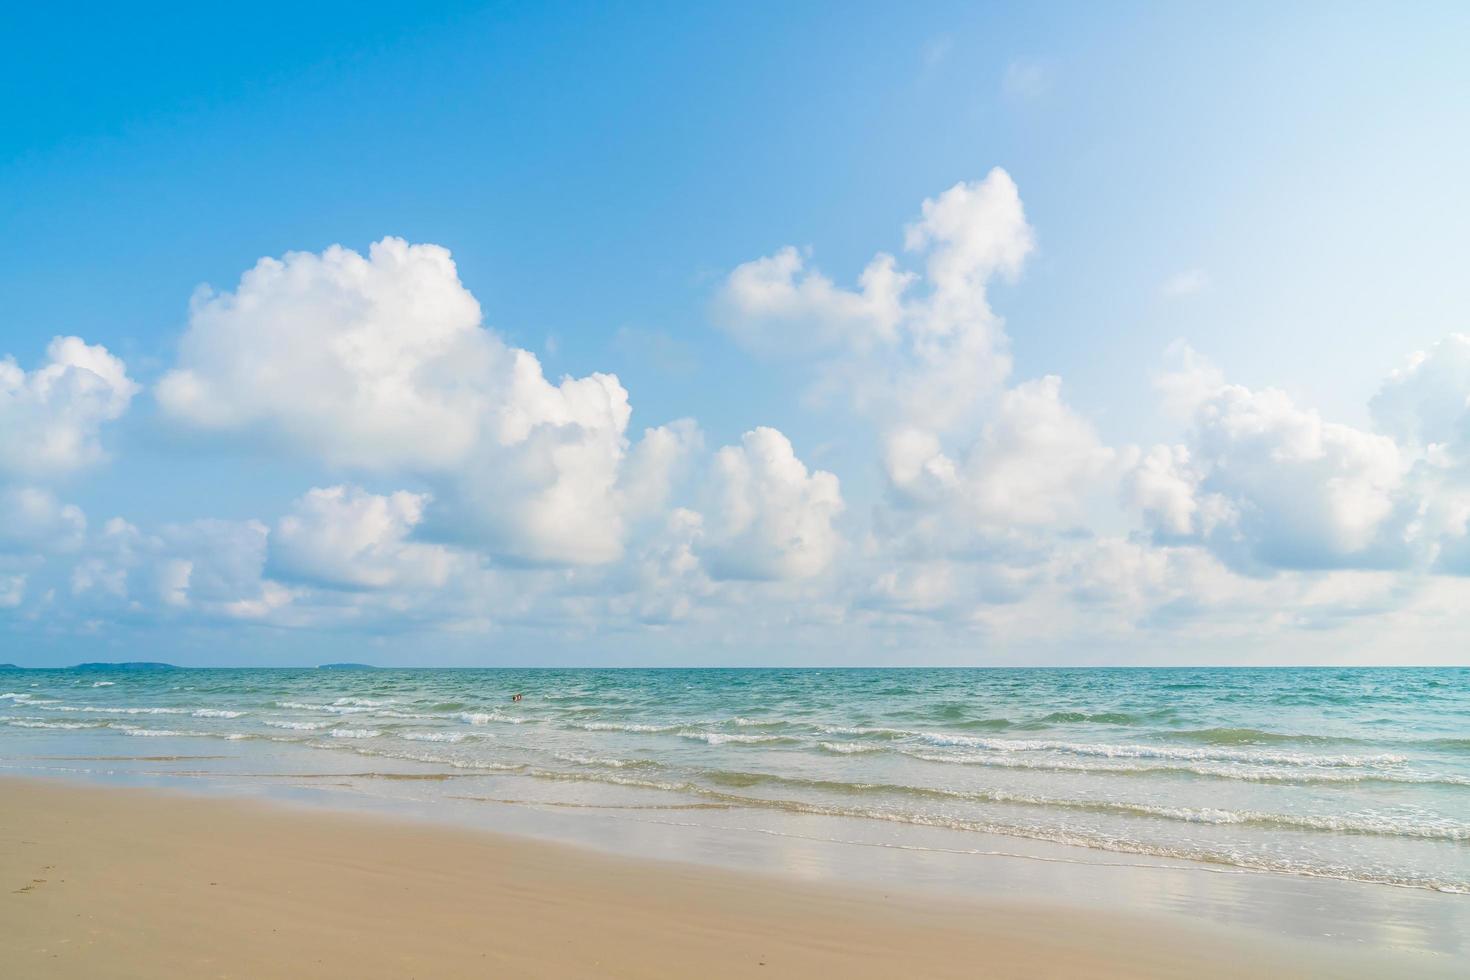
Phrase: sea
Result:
[1360,775]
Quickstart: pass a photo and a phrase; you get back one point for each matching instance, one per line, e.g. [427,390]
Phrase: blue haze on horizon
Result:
[1235,237]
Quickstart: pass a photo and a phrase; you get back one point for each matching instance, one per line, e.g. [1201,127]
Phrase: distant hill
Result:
[126,665]
[346,667]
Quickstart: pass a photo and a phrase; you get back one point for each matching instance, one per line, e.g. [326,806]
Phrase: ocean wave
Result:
[725,738]
[1076,836]
[866,730]
[584,760]
[94,709]
[217,713]
[1256,736]
[849,748]
[336,709]
[1125,751]
[608,726]
[355,733]
[62,725]
[1442,829]
[434,736]
[103,684]
[361,702]
[298,726]
[1096,718]
[1223,771]
[437,760]
[157,732]
[486,717]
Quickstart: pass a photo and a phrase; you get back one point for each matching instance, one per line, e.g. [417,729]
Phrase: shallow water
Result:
[1360,774]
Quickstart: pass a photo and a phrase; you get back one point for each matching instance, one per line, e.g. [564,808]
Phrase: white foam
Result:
[849,748]
[608,726]
[1110,751]
[486,717]
[217,713]
[93,709]
[355,733]
[103,684]
[335,709]
[722,738]
[361,702]
[433,736]
[299,726]
[67,725]
[156,732]
[585,760]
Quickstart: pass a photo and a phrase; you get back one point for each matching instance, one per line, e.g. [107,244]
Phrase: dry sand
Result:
[106,882]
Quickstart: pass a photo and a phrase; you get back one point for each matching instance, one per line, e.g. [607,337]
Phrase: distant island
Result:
[346,667]
[127,665]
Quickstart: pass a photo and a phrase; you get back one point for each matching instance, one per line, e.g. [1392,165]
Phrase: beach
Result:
[116,882]
[420,822]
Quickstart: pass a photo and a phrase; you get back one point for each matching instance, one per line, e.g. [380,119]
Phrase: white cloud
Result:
[50,418]
[1426,406]
[765,298]
[999,511]
[920,360]
[345,537]
[12,590]
[374,362]
[380,364]
[1273,485]
[1025,80]
[770,517]
[1185,283]
[1035,463]
[1427,402]
[33,519]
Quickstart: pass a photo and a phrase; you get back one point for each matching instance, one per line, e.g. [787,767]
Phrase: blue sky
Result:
[1279,190]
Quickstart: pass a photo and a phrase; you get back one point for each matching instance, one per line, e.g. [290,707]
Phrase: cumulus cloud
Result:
[32,519]
[374,361]
[1426,406]
[1270,484]
[998,509]
[345,537]
[213,568]
[770,517]
[1427,402]
[916,356]
[50,418]
[969,462]
[380,364]
[1036,460]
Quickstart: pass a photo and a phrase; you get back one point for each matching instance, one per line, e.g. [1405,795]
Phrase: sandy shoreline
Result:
[107,882]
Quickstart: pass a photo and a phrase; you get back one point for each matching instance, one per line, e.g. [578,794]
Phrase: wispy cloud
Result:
[1026,80]
[1185,283]
[937,50]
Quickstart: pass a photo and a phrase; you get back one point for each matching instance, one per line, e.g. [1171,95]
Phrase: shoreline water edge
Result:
[1292,803]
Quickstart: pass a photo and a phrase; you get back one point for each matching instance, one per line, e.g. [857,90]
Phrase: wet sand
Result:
[109,882]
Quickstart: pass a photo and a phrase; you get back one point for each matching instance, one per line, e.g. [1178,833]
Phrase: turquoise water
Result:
[1361,774]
